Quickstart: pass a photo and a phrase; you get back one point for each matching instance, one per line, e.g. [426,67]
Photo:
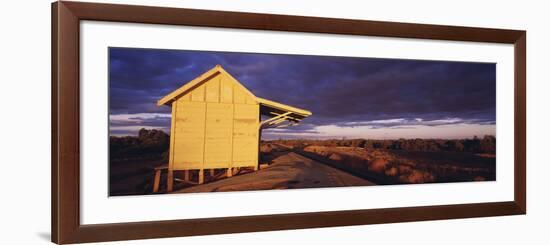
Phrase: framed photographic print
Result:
[176,122]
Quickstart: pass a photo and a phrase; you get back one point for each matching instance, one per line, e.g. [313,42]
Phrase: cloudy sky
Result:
[349,97]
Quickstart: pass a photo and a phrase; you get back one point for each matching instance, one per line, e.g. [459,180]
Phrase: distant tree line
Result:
[148,143]
[156,143]
[487,144]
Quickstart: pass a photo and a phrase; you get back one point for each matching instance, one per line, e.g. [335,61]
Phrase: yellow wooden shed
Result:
[217,123]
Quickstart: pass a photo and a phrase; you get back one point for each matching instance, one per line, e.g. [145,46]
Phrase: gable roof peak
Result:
[216,70]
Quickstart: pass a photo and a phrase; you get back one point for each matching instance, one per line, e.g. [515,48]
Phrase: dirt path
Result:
[288,171]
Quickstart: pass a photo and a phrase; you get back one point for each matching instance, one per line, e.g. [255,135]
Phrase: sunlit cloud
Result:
[137,117]
[449,128]
[401,122]
[130,124]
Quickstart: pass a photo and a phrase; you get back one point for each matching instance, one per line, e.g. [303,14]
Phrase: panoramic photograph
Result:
[183,121]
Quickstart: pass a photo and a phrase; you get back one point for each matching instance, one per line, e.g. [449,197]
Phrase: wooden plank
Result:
[201,172]
[190,125]
[213,89]
[245,135]
[232,139]
[219,135]
[170,178]
[198,94]
[229,172]
[185,97]
[226,89]
[201,176]
[173,133]
[239,96]
[156,183]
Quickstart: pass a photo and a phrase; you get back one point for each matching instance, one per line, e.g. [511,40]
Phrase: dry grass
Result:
[399,166]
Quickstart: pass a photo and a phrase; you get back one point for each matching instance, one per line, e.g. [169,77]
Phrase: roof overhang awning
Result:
[280,115]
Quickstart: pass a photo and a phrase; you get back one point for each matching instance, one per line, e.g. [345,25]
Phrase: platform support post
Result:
[156,182]
[186,175]
[201,176]
[170,179]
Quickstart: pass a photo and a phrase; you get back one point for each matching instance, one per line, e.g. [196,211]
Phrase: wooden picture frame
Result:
[66,226]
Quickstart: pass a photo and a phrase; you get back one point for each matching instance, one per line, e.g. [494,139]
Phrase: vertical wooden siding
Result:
[219,135]
[189,135]
[216,126]
[245,133]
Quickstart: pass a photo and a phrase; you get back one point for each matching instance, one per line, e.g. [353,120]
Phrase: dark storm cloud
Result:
[337,90]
